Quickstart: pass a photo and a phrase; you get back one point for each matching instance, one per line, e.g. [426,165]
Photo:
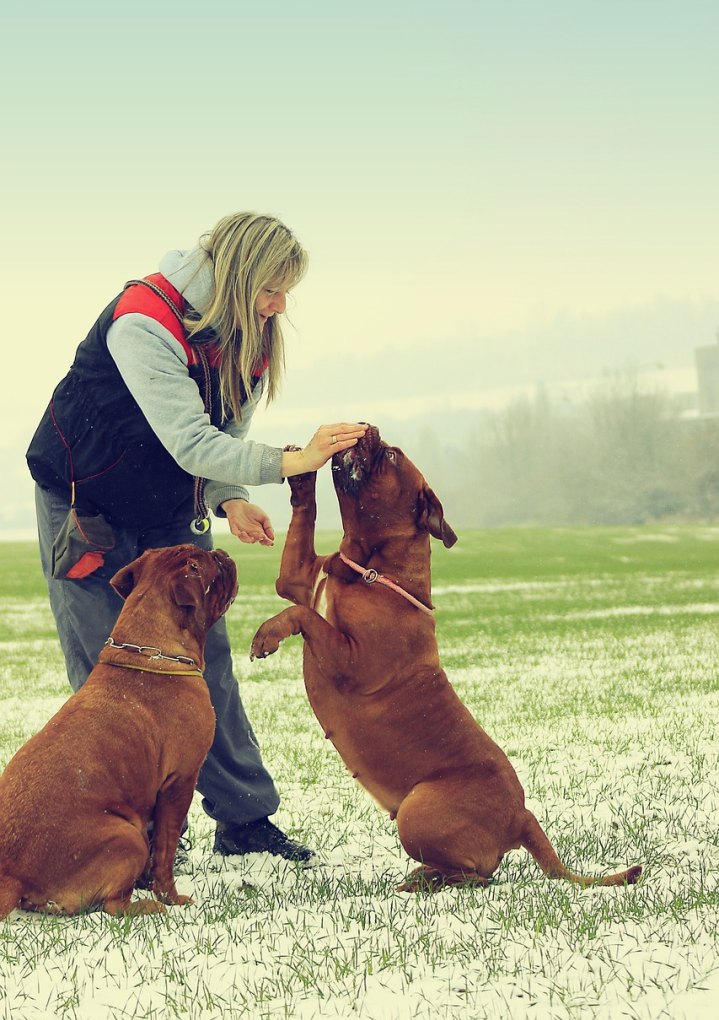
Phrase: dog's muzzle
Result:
[351,468]
[225,581]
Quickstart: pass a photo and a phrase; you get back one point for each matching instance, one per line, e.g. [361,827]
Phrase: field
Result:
[591,656]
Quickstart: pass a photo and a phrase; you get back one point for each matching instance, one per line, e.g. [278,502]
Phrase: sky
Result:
[509,179]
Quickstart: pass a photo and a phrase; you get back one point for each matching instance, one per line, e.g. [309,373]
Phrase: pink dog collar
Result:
[371,576]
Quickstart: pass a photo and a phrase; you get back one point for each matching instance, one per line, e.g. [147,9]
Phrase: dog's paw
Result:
[264,643]
[416,882]
[302,487]
[172,898]
[429,880]
[182,901]
[137,907]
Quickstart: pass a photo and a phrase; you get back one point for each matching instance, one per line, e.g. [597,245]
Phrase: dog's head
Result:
[382,494]
[201,582]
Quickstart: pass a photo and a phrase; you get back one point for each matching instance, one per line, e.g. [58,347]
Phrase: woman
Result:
[149,429]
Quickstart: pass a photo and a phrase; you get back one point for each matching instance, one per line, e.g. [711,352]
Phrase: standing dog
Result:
[125,750]
[374,679]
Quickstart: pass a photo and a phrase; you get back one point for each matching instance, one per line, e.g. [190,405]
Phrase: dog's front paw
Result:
[265,642]
[302,487]
[172,898]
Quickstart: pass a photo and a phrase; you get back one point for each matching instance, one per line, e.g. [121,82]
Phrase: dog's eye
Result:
[391,455]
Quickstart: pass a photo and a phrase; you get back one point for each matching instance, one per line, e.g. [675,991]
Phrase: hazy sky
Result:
[458,171]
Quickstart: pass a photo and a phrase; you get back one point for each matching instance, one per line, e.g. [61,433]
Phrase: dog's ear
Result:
[430,515]
[124,580]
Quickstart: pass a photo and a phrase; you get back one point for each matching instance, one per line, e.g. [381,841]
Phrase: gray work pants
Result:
[234,783]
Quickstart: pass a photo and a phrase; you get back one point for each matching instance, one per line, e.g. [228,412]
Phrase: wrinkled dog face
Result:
[226,577]
[204,581]
[379,489]
[353,468]
[214,575]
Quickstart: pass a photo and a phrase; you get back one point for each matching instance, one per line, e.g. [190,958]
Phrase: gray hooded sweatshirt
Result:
[154,367]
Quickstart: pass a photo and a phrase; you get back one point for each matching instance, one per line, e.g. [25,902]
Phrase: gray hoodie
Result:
[154,367]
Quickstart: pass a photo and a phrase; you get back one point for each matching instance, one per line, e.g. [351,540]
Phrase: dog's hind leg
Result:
[11,891]
[424,879]
[454,848]
[122,904]
[107,874]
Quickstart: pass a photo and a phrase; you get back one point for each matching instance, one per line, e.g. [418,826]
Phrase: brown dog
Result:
[125,750]
[374,680]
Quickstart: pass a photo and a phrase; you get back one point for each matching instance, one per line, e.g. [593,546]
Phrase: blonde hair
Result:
[249,253]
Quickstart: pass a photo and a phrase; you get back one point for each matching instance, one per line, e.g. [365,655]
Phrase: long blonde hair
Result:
[248,254]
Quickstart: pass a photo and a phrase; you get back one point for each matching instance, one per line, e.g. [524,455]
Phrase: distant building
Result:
[707,360]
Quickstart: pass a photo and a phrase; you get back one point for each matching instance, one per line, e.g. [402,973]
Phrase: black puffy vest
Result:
[94,433]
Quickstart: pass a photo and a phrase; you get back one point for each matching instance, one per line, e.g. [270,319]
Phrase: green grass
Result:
[591,656]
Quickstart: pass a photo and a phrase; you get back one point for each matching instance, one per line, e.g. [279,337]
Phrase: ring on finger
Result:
[334,440]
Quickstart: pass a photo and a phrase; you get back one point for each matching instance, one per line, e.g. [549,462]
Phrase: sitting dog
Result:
[77,799]
[374,679]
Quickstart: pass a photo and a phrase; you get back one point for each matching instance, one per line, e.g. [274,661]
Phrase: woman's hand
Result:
[328,439]
[248,522]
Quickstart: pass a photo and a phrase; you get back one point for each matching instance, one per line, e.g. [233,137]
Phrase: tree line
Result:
[618,455]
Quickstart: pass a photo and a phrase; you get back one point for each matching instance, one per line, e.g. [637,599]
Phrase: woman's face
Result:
[270,302]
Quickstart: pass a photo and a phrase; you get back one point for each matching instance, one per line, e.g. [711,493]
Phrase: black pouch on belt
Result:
[80,545]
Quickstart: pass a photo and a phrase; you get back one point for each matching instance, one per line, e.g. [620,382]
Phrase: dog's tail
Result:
[535,840]
[11,891]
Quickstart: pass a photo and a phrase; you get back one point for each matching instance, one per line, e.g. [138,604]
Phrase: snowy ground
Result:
[615,742]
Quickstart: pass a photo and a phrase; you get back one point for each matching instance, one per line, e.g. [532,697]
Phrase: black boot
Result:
[260,836]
